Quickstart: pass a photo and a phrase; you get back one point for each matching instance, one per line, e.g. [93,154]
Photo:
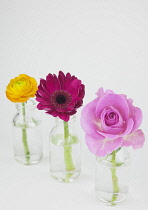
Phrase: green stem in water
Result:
[24,136]
[67,152]
[114,178]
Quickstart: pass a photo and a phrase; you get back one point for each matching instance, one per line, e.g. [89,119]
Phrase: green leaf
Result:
[119,164]
[73,139]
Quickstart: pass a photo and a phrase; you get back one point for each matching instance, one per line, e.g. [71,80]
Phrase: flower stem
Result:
[24,136]
[114,178]
[67,152]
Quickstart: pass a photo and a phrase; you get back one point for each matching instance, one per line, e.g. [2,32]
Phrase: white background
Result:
[102,42]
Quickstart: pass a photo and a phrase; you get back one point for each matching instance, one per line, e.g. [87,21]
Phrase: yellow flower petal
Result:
[21,88]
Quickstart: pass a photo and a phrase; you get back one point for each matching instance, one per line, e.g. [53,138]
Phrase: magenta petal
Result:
[53,113]
[42,86]
[102,147]
[89,122]
[136,139]
[64,117]
[49,76]
[39,106]
[43,107]
[44,102]
[67,83]
[82,91]
[71,112]
[60,110]
[50,86]
[56,82]
[68,75]
[74,93]
[51,83]
[70,107]
[60,96]
[62,74]
[115,101]
[61,78]
[79,103]
[39,99]
[43,94]
[73,86]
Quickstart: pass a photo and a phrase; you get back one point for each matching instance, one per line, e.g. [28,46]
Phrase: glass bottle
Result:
[65,151]
[27,141]
[113,176]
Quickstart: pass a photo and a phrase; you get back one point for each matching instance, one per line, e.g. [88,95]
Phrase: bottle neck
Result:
[72,120]
[120,155]
[28,106]
[26,115]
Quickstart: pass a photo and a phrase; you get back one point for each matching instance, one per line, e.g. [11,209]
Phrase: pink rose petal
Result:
[115,101]
[136,139]
[136,115]
[110,122]
[109,92]
[102,147]
[89,120]
[111,135]
[100,92]
[112,129]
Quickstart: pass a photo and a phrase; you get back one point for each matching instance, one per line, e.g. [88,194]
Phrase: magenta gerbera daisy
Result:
[60,96]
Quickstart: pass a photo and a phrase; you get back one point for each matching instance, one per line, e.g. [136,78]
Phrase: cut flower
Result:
[21,88]
[60,96]
[111,121]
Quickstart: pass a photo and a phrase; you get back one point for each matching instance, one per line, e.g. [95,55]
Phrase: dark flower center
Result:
[61,99]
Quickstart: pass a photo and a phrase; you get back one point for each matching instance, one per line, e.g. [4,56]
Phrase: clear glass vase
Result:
[27,141]
[113,176]
[65,151]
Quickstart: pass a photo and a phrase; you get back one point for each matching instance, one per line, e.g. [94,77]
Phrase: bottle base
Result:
[111,199]
[29,160]
[65,177]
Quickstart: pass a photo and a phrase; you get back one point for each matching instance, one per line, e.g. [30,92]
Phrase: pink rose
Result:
[111,121]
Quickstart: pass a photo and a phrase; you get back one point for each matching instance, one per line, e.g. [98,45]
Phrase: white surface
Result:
[102,42]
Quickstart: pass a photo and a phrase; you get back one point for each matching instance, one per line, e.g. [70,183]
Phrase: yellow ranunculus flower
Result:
[21,88]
